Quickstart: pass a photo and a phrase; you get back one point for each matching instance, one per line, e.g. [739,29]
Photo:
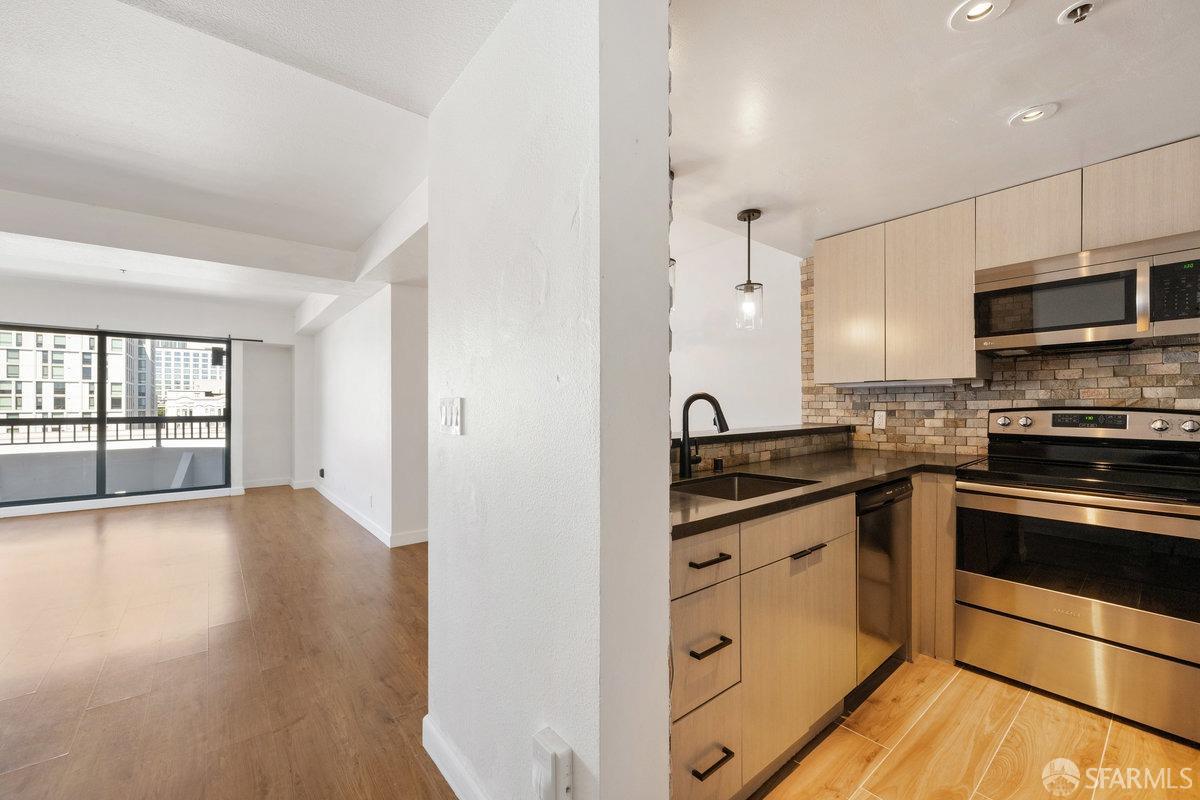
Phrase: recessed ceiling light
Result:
[979,11]
[975,12]
[1028,116]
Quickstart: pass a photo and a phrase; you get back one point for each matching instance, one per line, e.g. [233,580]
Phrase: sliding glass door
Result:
[91,414]
[49,427]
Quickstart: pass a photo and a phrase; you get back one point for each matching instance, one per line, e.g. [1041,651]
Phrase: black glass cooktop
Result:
[1157,483]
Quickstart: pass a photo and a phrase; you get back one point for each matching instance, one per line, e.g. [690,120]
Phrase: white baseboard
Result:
[113,502]
[303,484]
[237,491]
[353,513]
[409,537]
[450,762]
[261,483]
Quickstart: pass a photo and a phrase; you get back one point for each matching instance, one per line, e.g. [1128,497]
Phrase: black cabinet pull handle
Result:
[712,562]
[726,754]
[808,552]
[716,648]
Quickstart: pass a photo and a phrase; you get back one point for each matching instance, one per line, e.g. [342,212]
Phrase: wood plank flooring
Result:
[933,731]
[262,646]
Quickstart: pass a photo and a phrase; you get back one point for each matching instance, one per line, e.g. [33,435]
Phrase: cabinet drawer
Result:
[706,746]
[706,645]
[780,535]
[704,559]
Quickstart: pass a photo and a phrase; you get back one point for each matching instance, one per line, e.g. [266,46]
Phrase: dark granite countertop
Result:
[770,432]
[838,472]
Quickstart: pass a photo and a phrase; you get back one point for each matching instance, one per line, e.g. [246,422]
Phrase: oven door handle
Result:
[1146,516]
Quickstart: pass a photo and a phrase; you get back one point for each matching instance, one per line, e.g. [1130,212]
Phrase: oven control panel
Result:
[1108,423]
[1077,420]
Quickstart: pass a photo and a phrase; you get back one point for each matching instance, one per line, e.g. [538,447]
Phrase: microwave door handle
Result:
[1143,296]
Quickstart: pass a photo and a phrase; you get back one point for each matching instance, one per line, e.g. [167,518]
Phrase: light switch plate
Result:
[450,415]
[880,420]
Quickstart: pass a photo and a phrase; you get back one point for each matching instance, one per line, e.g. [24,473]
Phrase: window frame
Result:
[101,418]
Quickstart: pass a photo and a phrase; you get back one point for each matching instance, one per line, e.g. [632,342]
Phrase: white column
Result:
[548,519]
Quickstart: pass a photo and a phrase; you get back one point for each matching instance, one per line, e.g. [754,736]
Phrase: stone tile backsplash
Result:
[953,419]
[737,454]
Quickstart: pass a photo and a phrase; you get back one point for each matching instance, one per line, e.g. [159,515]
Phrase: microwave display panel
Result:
[1093,301]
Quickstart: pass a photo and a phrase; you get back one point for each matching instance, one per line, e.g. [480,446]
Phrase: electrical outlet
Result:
[551,766]
[450,419]
[880,420]
[321,472]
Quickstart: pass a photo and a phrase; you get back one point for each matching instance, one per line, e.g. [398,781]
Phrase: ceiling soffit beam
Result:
[52,218]
[397,251]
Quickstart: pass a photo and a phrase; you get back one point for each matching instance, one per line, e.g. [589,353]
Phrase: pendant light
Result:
[749,295]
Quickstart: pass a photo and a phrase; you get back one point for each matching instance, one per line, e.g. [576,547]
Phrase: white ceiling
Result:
[105,104]
[831,116]
[406,52]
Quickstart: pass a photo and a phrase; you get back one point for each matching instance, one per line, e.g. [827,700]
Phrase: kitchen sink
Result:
[738,485]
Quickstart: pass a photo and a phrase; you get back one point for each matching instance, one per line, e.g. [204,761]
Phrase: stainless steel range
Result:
[1078,562]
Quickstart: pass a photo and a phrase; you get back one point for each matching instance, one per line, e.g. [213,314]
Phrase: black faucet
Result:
[686,459]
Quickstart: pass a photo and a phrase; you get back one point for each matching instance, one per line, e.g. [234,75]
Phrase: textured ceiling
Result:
[831,116]
[105,104]
[406,52]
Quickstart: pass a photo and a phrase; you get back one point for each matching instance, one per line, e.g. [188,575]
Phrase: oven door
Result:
[1118,570]
[1080,305]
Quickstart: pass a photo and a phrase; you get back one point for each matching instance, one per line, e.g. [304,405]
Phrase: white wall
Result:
[548,520]
[266,415]
[410,414]
[754,374]
[353,413]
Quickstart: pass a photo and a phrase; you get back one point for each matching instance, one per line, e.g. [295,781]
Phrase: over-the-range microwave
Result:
[1023,310]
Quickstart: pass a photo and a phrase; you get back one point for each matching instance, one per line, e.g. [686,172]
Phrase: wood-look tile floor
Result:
[262,646]
[933,731]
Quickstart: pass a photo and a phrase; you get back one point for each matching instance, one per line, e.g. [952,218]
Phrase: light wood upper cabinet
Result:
[1143,196]
[1028,222]
[798,648]
[930,284]
[848,307]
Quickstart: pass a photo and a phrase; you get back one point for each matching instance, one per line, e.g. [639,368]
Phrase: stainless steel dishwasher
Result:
[884,573]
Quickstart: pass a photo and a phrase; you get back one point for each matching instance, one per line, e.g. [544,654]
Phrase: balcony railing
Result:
[84,430]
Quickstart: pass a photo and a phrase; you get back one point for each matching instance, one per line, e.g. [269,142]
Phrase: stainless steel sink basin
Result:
[738,485]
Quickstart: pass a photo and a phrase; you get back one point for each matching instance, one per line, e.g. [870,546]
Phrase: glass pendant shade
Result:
[749,295]
[749,310]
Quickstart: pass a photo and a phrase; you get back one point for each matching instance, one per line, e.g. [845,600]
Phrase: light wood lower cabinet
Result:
[798,647]
[771,538]
[706,642]
[704,559]
[933,541]
[706,750]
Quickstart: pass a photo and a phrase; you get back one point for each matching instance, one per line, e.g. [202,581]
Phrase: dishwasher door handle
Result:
[870,500]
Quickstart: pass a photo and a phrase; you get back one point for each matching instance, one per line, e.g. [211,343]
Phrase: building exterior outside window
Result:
[54,375]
